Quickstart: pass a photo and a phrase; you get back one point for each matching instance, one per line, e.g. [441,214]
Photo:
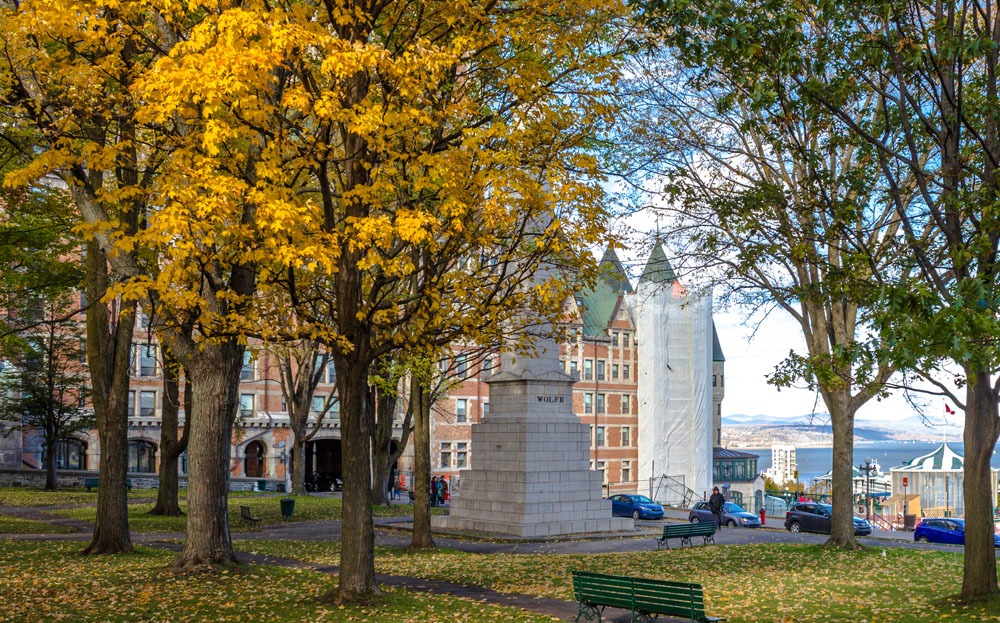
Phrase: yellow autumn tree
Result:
[423,161]
[74,74]
[395,172]
[69,92]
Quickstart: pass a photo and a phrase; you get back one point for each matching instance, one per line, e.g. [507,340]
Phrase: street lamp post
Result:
[867,468]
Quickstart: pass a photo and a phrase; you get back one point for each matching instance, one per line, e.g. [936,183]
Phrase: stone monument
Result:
[530,462]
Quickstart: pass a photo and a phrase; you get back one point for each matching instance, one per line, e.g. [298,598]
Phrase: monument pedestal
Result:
[530,473]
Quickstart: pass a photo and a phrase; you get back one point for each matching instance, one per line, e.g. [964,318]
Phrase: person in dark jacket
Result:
[715,504]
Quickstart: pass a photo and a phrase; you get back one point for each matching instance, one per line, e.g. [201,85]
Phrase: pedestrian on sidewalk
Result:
[396,486]
[438,490]
[715,504]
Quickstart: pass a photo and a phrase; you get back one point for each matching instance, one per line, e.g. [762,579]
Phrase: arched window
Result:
[141,456]
[70,454]
[253,463]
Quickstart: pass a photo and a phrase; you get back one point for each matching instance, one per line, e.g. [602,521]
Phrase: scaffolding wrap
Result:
[675,393]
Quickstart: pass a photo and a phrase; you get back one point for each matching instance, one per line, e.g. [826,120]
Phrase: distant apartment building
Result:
[783,463]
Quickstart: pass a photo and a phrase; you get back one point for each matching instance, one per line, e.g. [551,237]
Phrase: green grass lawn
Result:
[26,496]
[744,583]
[18,525]
[50,582]
[267,507]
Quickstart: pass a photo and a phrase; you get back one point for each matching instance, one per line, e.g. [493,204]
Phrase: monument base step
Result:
[527,530]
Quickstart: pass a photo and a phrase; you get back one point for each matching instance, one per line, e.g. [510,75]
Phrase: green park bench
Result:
[646,598]
[684,532]
[92,483]
[246,517]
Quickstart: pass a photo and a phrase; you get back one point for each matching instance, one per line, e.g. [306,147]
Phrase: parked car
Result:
[814,517]
[635,506]
[322,481]
[733,515]
[951,531]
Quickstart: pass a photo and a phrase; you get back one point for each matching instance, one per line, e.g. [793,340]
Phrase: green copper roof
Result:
[614,273]
[716,346]
[658,270]
[598,305]
[599,302]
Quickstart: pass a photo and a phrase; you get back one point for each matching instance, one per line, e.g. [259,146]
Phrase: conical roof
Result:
[613,272]
[658,270]
[598,303]
[943,459]
[716,345]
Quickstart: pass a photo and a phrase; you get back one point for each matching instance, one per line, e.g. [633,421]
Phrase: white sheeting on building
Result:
[674,329]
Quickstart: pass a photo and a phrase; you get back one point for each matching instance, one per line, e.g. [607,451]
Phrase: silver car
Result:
[732,515]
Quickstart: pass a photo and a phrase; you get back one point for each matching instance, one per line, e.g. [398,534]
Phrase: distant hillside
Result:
[820,422]
[740,419]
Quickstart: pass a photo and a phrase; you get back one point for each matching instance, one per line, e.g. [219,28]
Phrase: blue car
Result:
[636,507]
[949,531]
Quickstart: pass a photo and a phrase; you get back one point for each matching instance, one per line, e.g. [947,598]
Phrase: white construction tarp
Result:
[674,329]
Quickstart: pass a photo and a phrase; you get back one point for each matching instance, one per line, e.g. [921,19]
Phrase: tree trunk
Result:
[108,357]
[298,465]
[842,522]
[171,446]
[381,485]
[981,429]
[51,483]
[217,370]
[357,553]
[384,459]
[422,538]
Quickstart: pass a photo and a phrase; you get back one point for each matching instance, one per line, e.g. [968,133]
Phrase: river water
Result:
[815,462]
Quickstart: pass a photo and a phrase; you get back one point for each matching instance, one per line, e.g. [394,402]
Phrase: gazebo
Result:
[937,479]
[877,481]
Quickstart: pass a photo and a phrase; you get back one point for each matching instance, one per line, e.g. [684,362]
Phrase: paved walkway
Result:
[36,513]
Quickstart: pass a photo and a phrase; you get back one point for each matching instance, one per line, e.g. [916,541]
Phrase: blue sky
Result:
[751,356]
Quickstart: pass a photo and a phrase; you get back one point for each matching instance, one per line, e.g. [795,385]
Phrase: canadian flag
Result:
[948,409]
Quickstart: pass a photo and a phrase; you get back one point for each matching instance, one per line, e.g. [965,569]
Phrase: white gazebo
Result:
[876,482]
[937,478]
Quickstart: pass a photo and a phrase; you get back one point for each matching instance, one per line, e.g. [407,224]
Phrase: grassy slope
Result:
[268,508]
[22,496]
[51,583]
[18,525]
[745,583]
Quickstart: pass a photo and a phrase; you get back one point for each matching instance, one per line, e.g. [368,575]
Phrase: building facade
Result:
[603,353]
[784,465]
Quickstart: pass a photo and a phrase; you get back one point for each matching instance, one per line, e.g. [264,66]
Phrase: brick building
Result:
[603,354]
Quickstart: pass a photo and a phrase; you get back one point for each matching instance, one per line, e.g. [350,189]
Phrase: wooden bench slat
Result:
[665,590]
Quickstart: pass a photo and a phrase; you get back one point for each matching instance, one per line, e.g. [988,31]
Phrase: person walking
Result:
[438,488]
[715,504]
[444,491]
